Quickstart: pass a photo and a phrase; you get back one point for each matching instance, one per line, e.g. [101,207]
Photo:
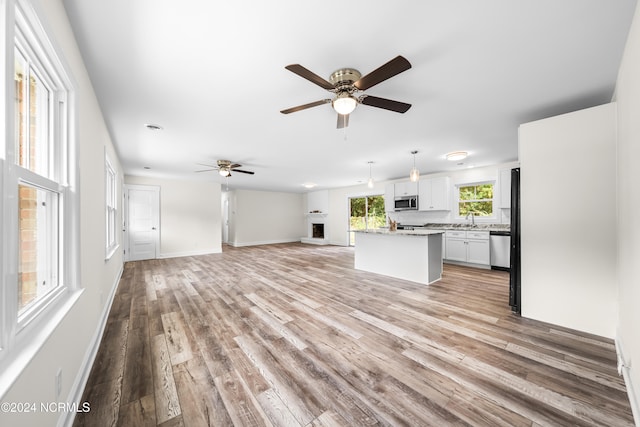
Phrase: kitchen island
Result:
[414,255]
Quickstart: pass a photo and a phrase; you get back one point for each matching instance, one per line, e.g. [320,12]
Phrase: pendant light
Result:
[370,182]
[414,175]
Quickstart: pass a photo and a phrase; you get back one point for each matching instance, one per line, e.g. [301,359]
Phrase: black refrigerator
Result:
[514,277]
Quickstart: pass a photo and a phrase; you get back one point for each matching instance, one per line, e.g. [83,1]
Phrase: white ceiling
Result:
[212,74]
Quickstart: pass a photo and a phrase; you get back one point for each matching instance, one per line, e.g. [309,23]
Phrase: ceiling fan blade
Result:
[241,171]
[209,166]
[343,121]
[309,75]
[235,165]
[387,104]
[396,66]
[206,170]
[305,106]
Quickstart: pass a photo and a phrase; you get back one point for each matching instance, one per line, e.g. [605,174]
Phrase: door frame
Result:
[125,218]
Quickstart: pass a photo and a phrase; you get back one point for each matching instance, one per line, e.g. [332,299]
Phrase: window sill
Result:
[30,341]
[111,252]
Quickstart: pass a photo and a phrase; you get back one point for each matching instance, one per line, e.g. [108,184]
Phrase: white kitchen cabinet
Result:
[433,194]
[505,188]
[389,196]
[456,249]
[468,246]
[407,188]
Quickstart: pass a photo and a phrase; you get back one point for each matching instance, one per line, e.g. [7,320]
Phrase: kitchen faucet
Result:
[473,222]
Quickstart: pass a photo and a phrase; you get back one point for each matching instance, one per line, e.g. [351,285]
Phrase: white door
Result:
[143,225]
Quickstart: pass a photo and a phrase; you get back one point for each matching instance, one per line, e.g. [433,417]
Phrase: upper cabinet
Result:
[434,194]
[505,188]
[389,196]
[407,188]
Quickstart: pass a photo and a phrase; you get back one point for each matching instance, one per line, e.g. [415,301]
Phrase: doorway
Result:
[142,222]
[365,213]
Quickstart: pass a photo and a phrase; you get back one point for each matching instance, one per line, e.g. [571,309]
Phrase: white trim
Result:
[77,389]
[189,253]
[623,369]
[25,349]
[263,242]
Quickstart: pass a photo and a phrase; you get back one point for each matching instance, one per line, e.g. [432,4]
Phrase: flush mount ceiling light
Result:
[370,181]
[309,185]
[344,103]
[153,127]
[414,174]
[456,155]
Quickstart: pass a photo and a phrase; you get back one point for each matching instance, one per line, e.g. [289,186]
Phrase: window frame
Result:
[488,218]
[21,335]
[111,207]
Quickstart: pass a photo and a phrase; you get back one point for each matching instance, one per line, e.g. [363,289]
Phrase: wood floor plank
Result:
[166,395]
[292,335]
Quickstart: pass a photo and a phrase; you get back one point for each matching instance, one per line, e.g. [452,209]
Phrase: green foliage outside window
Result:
[476,199]
[366,213]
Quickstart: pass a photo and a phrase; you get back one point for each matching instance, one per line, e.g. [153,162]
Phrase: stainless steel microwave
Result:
[406,203]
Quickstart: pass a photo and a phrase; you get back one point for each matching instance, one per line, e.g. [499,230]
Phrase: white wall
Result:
[568,215]
[628,100]
[190,216]
[73,341]
[264,217]
[339,201]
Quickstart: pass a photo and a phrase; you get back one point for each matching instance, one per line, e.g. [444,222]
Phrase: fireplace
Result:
[317,231]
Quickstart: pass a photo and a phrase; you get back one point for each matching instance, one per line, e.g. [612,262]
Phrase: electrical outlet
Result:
[58,383]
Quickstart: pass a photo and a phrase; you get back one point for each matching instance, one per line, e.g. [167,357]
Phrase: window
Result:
[40,228]
[365,213]
[475,199]
[111,213]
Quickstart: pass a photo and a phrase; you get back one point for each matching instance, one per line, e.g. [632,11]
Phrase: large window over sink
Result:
[365,213]
[475,199]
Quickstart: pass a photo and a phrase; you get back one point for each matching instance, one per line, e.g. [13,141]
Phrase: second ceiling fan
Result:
[348,84]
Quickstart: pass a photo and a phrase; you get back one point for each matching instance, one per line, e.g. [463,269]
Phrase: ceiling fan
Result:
[348,84]
[224,168]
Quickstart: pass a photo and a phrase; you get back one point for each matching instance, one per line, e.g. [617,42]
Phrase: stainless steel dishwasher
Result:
[499,246]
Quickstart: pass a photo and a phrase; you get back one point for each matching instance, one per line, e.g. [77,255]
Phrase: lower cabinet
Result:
[467,246]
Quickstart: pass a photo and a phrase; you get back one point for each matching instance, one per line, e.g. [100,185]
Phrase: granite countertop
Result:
[419,232]
[460,226]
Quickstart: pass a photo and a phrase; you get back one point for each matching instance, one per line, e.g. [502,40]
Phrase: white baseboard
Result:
[262,242]
[190,253]
[77,389]
[314,241]
[623,369]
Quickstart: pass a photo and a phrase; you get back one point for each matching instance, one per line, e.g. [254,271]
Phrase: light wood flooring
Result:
[291,335]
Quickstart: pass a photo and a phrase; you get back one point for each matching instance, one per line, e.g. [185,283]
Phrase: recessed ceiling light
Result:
[153,127]
[456,155]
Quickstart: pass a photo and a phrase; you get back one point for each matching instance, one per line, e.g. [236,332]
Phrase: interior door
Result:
[143,225]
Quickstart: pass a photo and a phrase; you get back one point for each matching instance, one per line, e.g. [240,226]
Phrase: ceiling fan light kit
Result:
[348,84]
[344,103]
[224,168]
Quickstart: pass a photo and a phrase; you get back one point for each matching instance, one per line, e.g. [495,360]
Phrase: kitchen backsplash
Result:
[444,217]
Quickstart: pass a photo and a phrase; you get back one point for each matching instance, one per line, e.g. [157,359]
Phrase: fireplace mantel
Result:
[316,215]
